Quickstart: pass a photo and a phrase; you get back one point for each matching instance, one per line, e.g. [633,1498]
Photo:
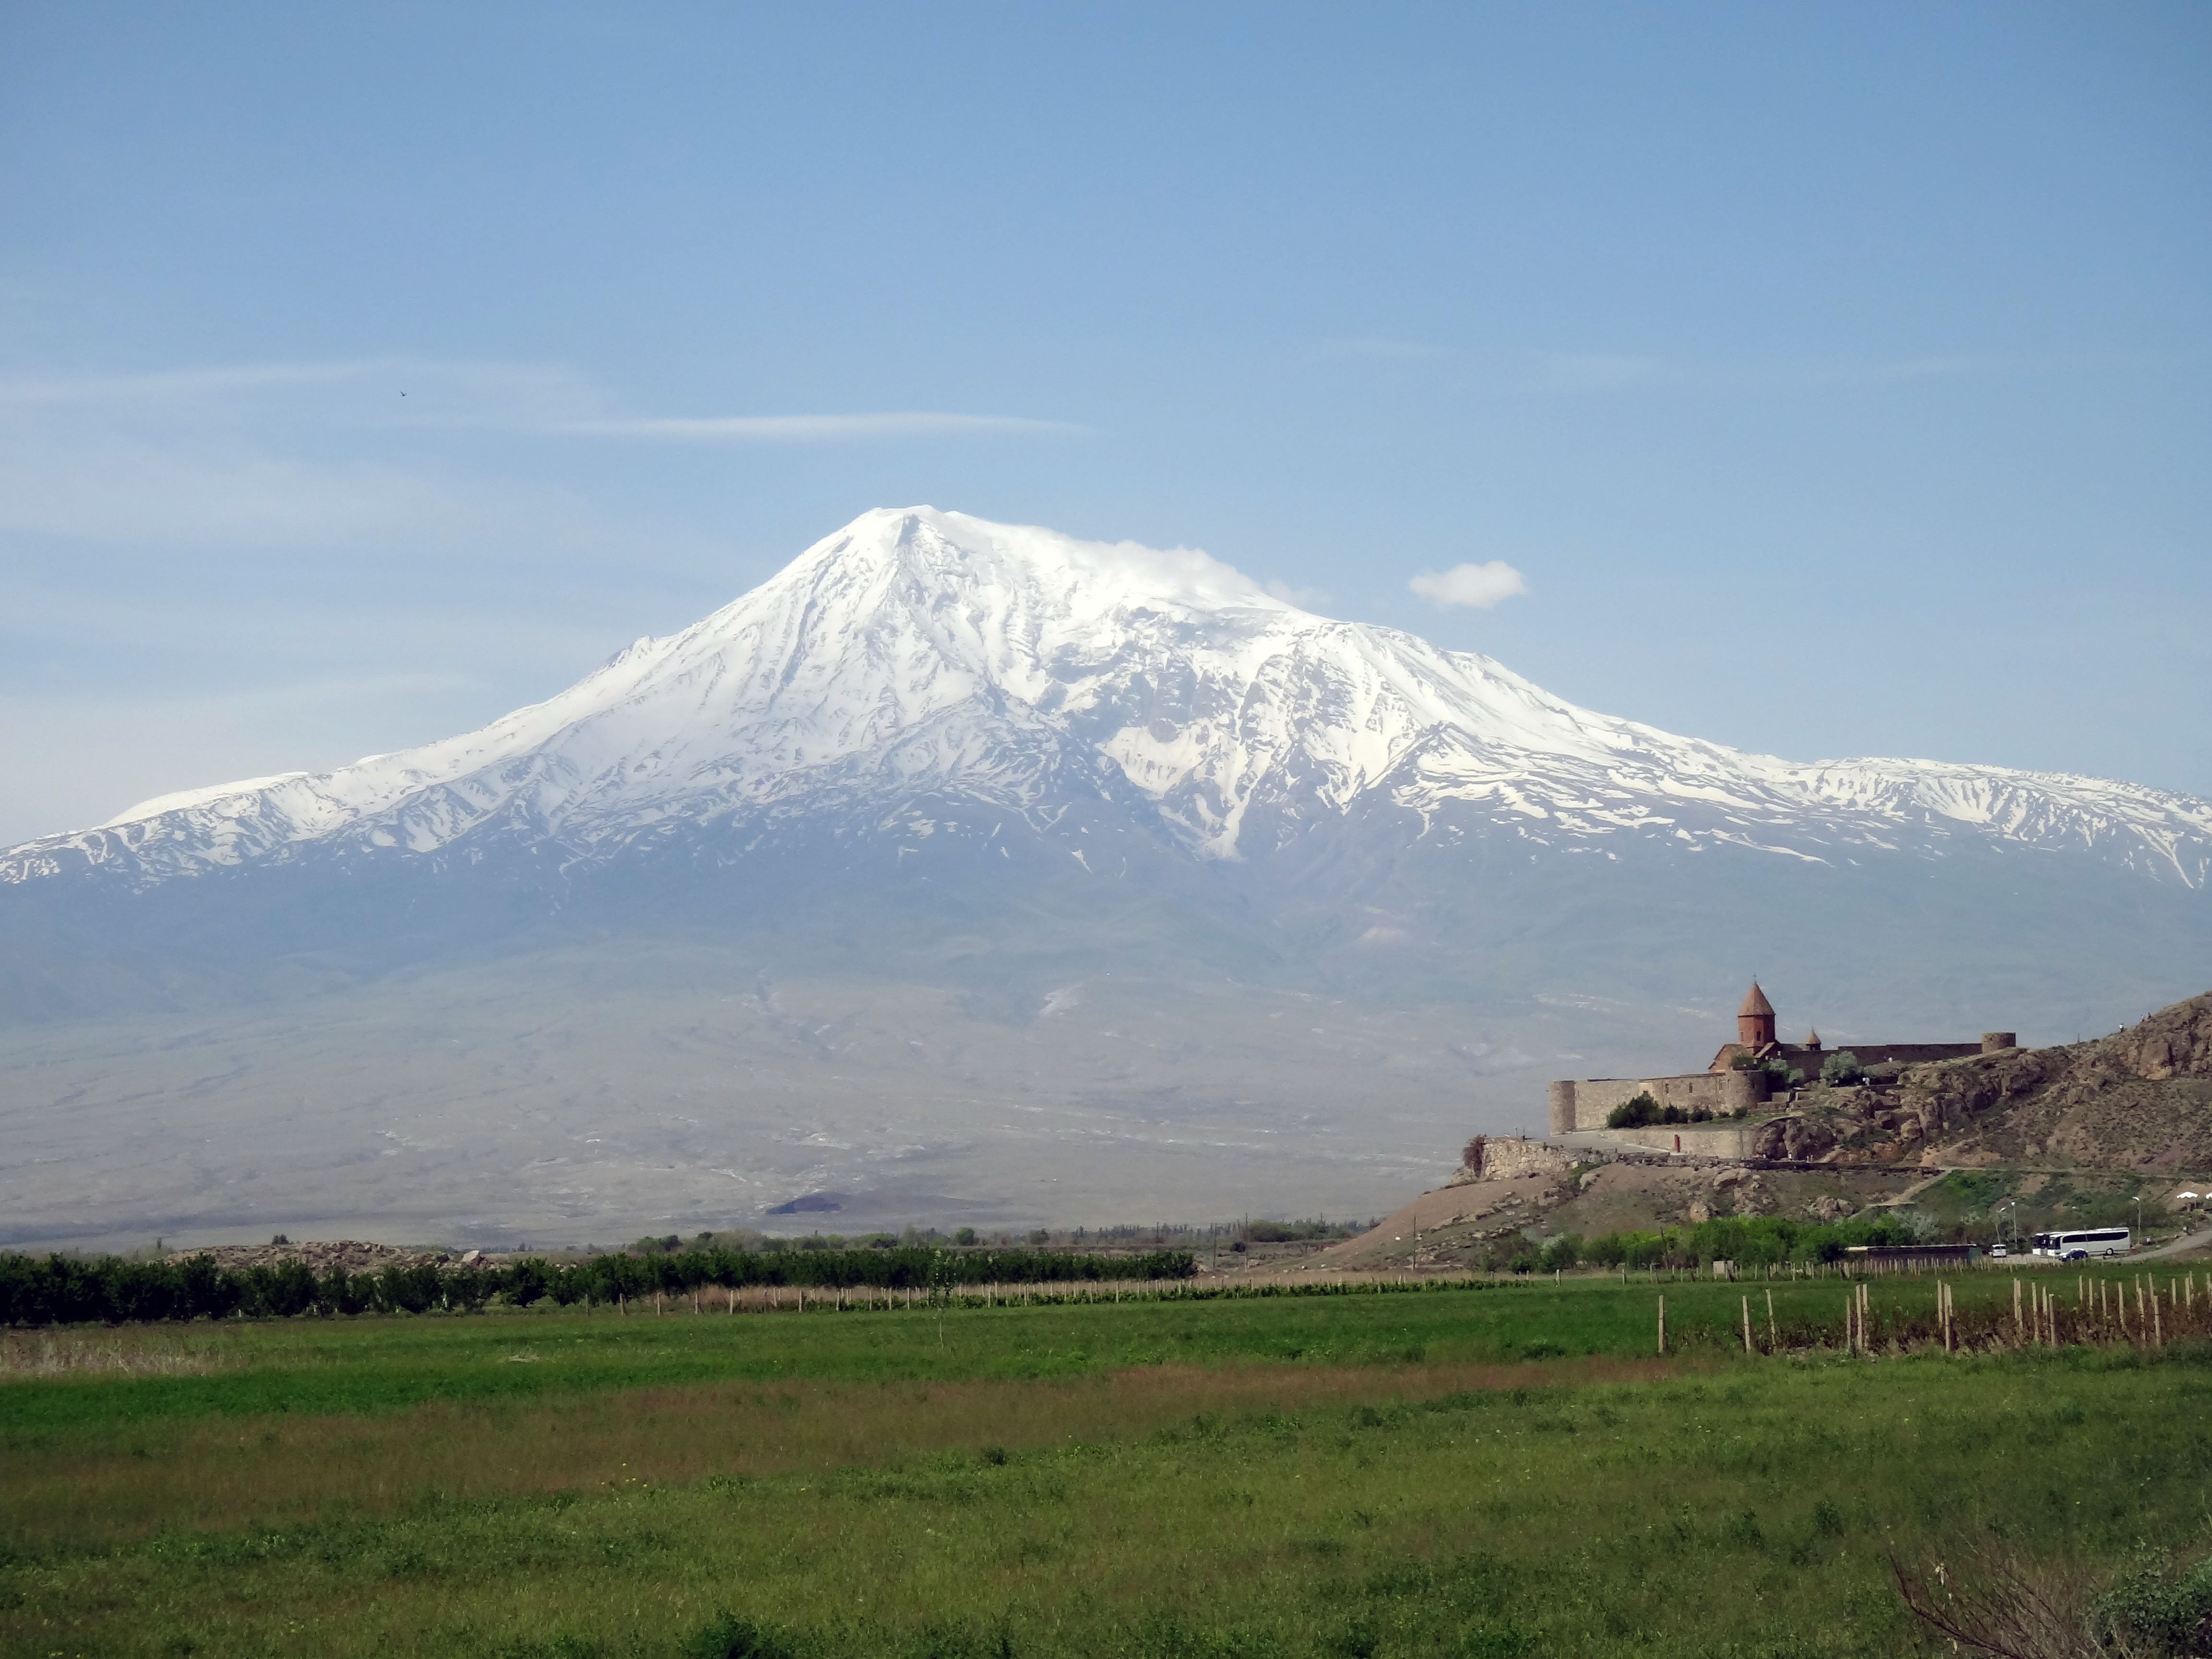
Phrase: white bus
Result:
[2090,1241]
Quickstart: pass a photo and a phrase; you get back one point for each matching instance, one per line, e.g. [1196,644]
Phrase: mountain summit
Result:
[964,870]
[918,653]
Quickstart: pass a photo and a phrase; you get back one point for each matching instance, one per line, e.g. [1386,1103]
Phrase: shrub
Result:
[965,1235]
[732,1637]
[1992,1598]
[1562,1253]
[1637,1112]
[1841,1069]
[2152,1603]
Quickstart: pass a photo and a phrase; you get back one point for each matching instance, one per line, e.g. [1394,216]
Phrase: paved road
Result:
[2186,1242]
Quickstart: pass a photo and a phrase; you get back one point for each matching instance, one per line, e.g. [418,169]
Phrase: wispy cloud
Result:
[1304,598]
[1608,371]
[1477,586]
[510,393]
[521,398]
[359,452]
[812,429]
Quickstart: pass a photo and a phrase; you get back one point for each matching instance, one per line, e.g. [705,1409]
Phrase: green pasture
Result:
[1503,1470]
[375,1363]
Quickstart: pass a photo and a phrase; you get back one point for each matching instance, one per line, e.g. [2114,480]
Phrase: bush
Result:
[1841,1069]
[966,1236]
[1609,1251]
[1753,1240]
[1562,1253]
[2154,1604]
[732,1637]
[1637,1112]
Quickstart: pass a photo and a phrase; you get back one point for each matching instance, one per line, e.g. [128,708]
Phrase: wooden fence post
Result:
[1662,1324]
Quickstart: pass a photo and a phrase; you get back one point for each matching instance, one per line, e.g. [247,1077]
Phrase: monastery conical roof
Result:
[1756,1003]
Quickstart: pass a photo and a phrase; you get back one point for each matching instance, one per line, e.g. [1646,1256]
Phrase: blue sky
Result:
[1834,377]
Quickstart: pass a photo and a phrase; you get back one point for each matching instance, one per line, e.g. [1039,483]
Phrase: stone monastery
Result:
[1742,1075]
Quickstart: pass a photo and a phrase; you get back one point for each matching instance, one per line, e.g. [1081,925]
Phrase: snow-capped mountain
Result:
[923,674]
[974,872]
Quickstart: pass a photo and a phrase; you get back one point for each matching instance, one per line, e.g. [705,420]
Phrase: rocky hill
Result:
[2141,1098]
[2060,1128]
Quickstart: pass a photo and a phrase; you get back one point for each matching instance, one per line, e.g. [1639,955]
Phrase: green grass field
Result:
[1497,1471]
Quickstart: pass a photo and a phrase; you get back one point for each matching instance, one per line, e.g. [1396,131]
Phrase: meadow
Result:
[1495,1470]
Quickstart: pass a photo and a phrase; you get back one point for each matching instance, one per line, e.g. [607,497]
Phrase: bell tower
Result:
[1754,1021]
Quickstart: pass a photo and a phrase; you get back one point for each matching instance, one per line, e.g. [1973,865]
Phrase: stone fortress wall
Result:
[1721,1090]
[1582,1103]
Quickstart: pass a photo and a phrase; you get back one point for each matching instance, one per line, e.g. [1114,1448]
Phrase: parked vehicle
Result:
[2084,1242]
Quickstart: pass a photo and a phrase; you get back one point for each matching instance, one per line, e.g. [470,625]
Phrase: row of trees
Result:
[1756,1241]
[58,1290]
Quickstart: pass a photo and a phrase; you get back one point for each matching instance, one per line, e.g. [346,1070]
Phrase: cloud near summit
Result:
[1480,585]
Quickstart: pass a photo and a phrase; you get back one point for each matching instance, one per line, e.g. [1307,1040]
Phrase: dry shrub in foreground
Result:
[1990,1598]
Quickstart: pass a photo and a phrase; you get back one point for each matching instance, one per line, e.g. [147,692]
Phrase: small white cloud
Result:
[1480,585]
[1304,598]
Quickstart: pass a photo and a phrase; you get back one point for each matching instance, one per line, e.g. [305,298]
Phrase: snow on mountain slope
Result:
[921,652]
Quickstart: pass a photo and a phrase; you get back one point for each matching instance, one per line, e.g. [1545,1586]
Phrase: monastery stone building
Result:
[1723,1087]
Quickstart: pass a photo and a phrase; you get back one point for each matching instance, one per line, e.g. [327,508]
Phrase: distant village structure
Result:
[1740,1078]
